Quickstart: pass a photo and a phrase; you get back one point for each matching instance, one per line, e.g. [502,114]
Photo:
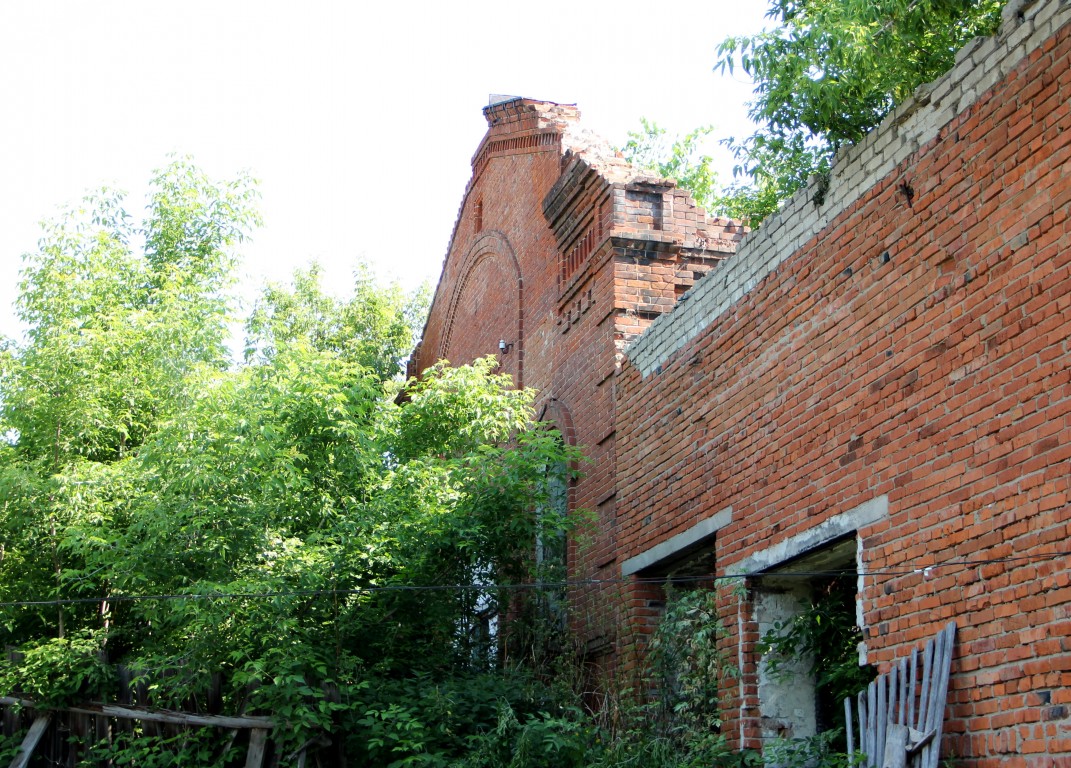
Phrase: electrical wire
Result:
[535,585]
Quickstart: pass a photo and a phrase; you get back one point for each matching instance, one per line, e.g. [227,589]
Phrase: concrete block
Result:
[1048,20]
[964,53]
[1020,34]
[1014,11]
[942,86]
[967,99]
[1057,13]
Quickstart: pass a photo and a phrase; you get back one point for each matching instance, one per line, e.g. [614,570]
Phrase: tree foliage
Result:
[373,328]
[282,523]
[830,70]
[113,331]
[675,157]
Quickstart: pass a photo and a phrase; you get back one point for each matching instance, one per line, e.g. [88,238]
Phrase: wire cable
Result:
[534,585]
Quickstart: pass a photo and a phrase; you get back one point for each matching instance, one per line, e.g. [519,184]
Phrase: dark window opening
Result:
[551,562]
[688,665]
[809,641]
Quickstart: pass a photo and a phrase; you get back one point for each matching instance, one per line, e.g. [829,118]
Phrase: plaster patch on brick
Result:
[855,172]
[787,703]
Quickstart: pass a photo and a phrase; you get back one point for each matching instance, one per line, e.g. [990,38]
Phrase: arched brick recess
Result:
[557,413]
[488,304]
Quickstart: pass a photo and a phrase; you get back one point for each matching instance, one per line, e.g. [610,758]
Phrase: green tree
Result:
[826,73]
[299,524]
[678,157]
[375,327]
[114,331]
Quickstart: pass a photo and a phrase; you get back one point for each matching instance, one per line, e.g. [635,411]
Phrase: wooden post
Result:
[258,738]
[849,728]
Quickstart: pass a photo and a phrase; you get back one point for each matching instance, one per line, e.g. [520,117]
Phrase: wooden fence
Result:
[901,713]
[65,735]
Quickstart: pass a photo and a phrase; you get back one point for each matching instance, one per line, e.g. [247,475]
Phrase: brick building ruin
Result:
[878,378]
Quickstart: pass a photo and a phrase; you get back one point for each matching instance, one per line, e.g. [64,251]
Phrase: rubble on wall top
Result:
[596,151]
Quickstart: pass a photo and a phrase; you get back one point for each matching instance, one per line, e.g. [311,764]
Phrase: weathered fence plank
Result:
[900,716]
[258,740]
[29,743]
[155,715]
[76,728]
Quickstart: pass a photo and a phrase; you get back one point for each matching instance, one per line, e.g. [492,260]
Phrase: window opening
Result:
[807,616]
[538,618]
[478,628]
[687,663]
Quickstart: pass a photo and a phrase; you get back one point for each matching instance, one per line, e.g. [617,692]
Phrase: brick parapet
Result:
[856,172]
[660,239]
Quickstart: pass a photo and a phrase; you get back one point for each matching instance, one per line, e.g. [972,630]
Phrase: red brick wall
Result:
[562,250]
[494,281]
[916,347]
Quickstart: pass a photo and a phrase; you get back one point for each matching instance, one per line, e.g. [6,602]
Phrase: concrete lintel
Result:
[865,514]
[672,548]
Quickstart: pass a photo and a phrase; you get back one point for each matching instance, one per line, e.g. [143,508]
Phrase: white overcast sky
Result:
[359,118]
